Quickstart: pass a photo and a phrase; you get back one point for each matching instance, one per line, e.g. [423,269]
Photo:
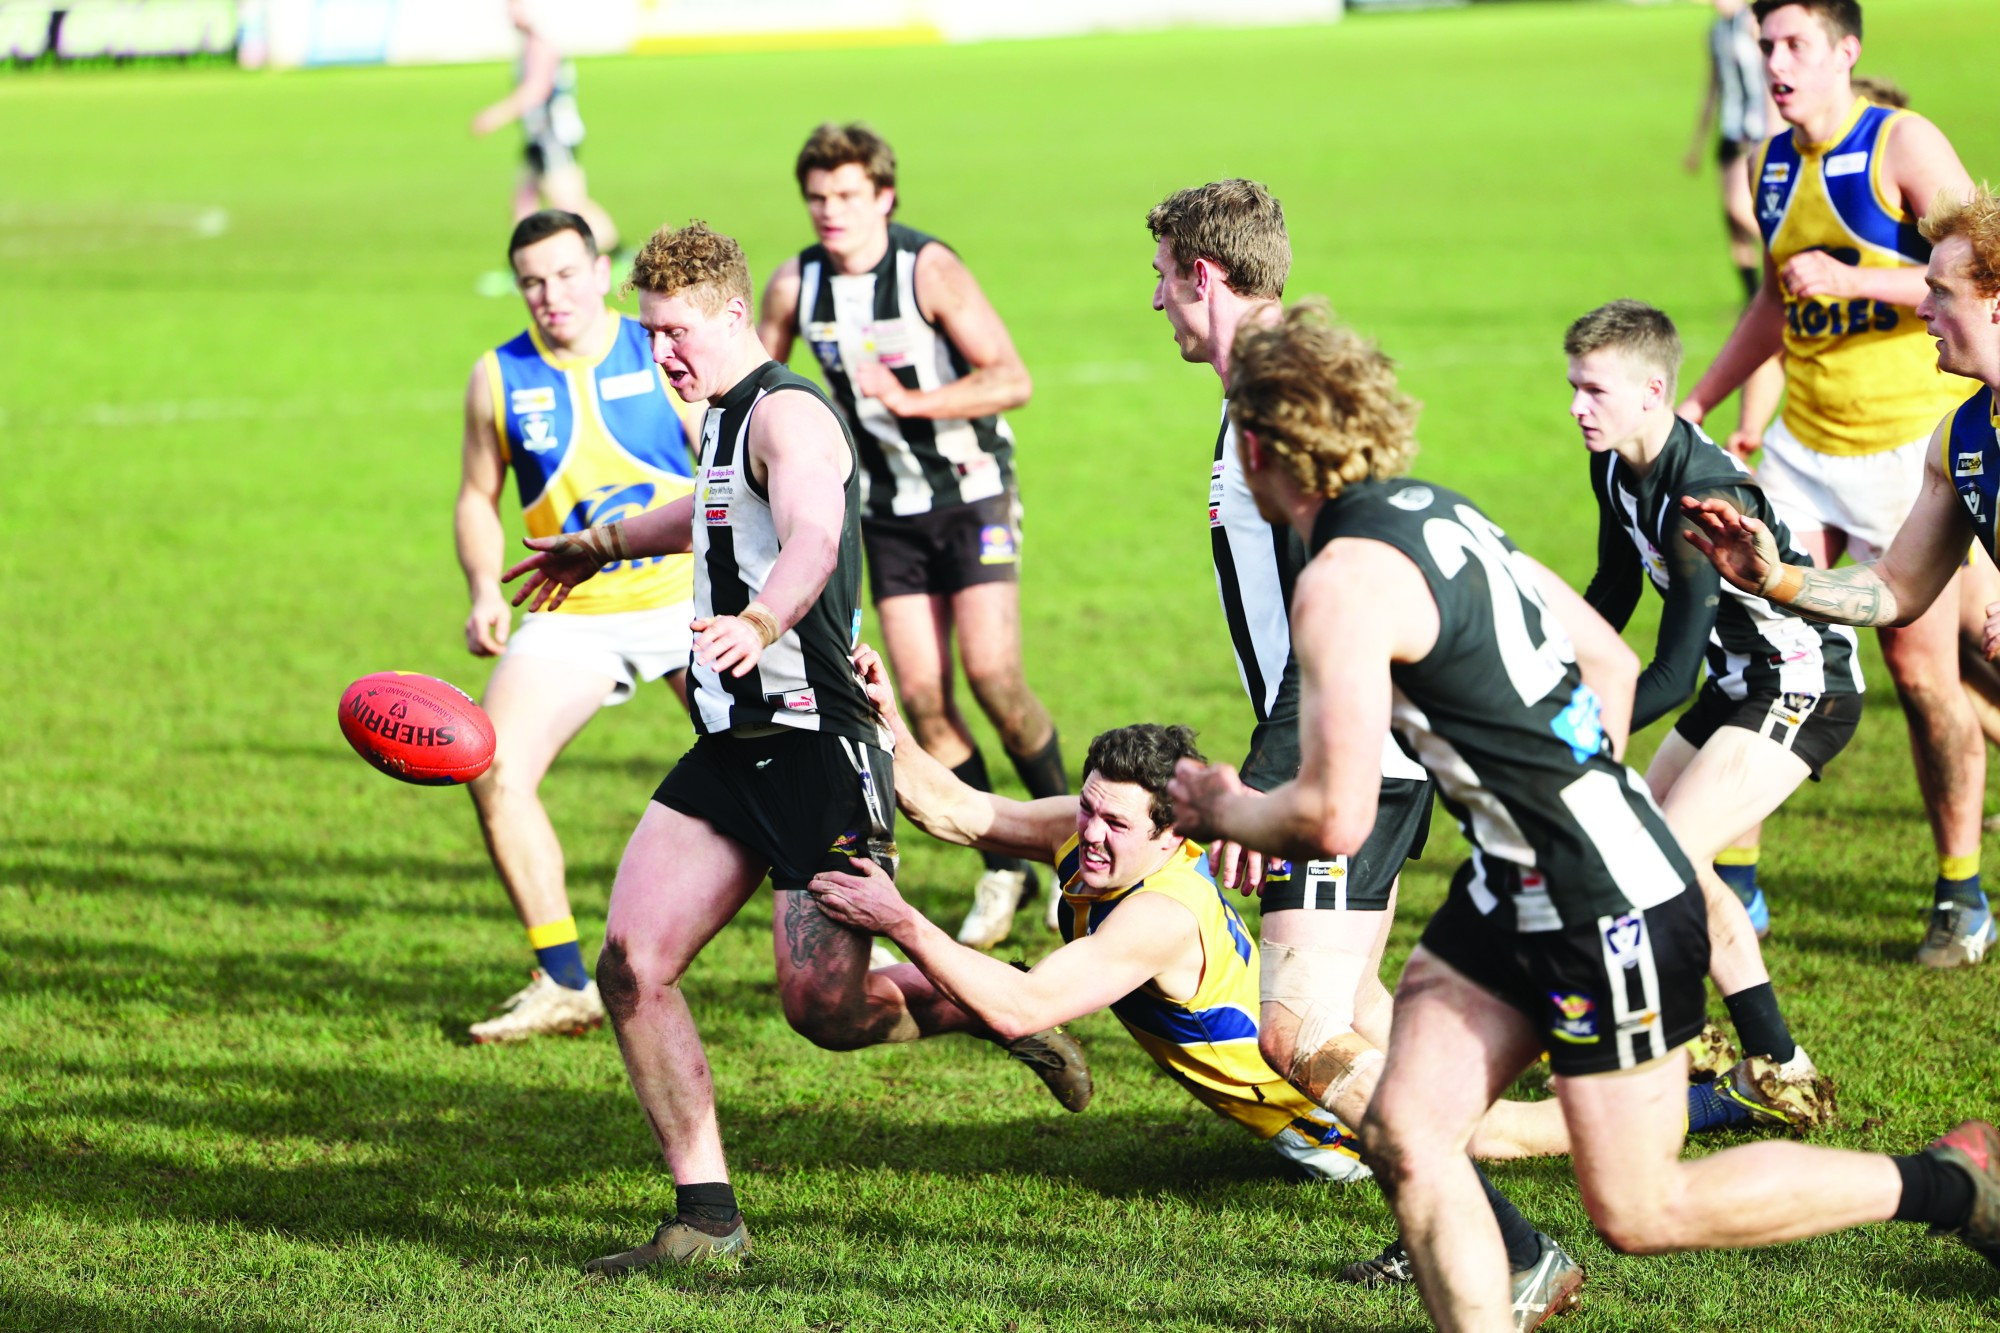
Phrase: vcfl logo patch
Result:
[1624,937]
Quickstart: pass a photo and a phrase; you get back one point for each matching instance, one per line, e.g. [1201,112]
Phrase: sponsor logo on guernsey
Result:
[1215,495]
[1969,465]
[1575,1017]
[1777,173]
[825,340]
[539,399]
[613,387]
[1413,498]
[715,517]
[1847,164]
[889,342]
[799,701]
[996,545]
[1624,936]
[1580,725]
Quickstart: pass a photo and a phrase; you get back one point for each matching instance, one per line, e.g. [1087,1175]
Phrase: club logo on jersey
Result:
[613,387]
[1969,465]
[1773,206]
[825,340]
[1413,498]
[996,545]
[526,401]
[1973,500]
[1624,937]
[1575,1017]
[537,434]
[1847,164]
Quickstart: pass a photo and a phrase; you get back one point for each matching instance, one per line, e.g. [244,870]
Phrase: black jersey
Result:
[1753,648]
[912,465]
[1257,563]
[805,680]
[1562,833]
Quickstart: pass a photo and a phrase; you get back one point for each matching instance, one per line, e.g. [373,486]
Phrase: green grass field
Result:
[236,964]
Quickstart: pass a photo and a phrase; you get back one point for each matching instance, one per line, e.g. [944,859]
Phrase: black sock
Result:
[973,774]
[1042,772]
[709,1207]
[1759,1026]
[1934,1191]
[1524,1245]
[1752,279]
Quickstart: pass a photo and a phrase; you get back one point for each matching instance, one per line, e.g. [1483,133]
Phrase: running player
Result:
[1782,699]
[1838,197]
[544,101]
[1961,310]
[922,368]
[1575,927]
[577,410]
[789,773]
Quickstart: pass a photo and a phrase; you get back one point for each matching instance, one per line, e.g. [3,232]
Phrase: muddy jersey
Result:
[1753,649]
[1497,711]
[805,680]
[911,465]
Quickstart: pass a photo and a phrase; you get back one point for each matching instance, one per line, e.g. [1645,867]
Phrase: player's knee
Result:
[1277,1041]
[626,973]
[1633,1227]
[924,705]
[831,1026]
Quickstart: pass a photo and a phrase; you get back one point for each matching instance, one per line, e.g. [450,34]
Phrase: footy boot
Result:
[1546,1287]
[1794,1094]
[1958,937]
[1974,1148]
[1058,1062]
[995,899]
[1391,1268]
[1711,1054]
[675,1243]
[543,1007]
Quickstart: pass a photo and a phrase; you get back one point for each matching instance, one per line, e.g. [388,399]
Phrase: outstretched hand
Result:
[865,900]
[1740,547]
[558,564]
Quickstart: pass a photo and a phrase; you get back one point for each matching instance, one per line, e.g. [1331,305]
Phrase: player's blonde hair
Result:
[705,264]
[1234,224]
[1323,399]
[1640,331]
[1976,217]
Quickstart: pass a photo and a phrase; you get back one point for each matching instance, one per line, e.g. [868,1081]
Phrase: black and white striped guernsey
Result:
[1753,649]
[805,680]
[911,465]
[1256,565]
[1497,711]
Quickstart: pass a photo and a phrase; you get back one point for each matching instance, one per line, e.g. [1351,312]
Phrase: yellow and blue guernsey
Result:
[592,440]
[1208,1042]
[1861,376]
[1971,458]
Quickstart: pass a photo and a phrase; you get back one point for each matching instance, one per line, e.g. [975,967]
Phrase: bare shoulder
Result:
[943,280]
[1359,590]
[798,427]
[784,278]
[479,393]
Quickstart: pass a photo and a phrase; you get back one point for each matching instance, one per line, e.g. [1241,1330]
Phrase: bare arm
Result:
[1358,606]
[1609,667]
[1711,96]
[475,527]
[1148,934]
[539,62]
[778,315]
[949,810]
[949,296]
[1892,591]
[561,562]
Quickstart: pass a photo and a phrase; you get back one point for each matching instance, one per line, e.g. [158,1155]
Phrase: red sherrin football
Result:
[417,728]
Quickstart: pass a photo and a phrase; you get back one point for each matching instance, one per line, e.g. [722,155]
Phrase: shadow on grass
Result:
[26,1308]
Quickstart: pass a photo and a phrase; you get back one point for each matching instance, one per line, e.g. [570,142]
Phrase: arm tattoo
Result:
[1852,596]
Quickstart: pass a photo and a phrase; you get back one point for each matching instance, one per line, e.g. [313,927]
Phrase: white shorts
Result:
[1337,1159]
[628,646]
[1865,496]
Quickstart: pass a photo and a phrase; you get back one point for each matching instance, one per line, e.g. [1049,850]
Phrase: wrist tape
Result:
[758,616]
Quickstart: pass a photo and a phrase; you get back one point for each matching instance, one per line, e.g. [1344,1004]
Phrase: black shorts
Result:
[944,550]
[546,153]
[1815,727]
[800,800]
[1728,152]
[1606,995]
[1361,882]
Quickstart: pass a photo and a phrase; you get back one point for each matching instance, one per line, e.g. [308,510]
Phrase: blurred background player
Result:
[1575,928]
[544,101]
[789,774]
[922,367]
[577,410]
[1837,199]
[1783,694]
[1961,481]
